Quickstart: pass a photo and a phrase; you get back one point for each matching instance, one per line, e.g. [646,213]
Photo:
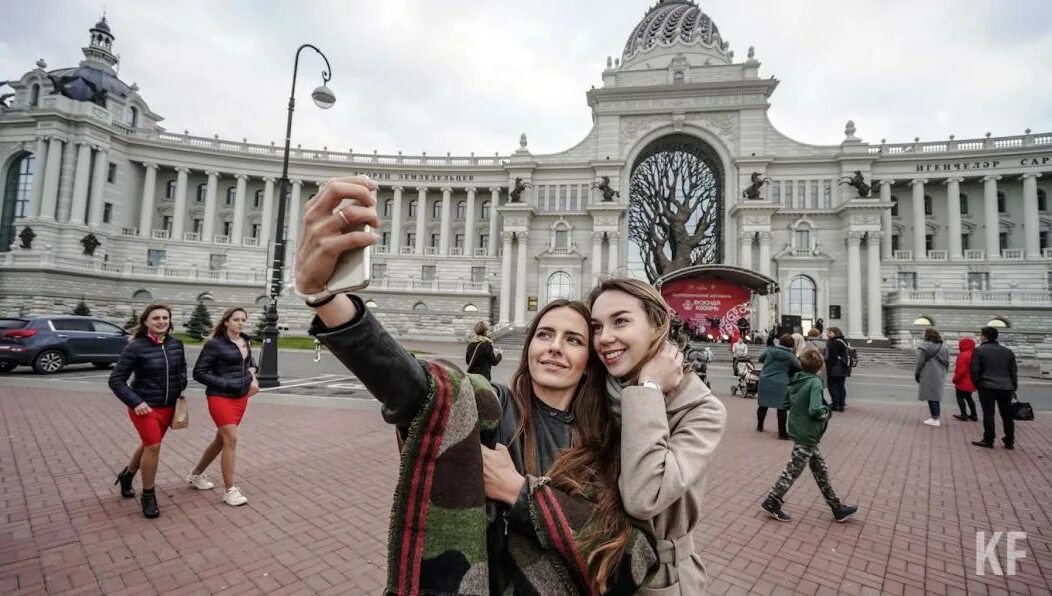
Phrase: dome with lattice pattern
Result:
[671,23]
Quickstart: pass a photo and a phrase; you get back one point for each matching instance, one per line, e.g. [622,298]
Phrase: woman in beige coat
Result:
[670,426]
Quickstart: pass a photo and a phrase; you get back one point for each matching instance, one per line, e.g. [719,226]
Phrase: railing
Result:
[456,252]
[192,236]
[431,251]
[974,254]
[937,255]
[1013,254]
[219,239]
[160,234]
[250,241]
[560,250]
[34,260]
[481,252]
[964,297]
[902,255]
[407,250]
[1046,253]
[381,249]
[433,285]
[952,145]
[129,231]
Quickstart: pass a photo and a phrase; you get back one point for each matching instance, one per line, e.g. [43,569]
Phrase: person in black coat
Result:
[837,368]
[996,375]
[158,364]
[227,369]
[481,354]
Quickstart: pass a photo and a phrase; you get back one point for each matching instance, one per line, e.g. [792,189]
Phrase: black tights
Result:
[761,413]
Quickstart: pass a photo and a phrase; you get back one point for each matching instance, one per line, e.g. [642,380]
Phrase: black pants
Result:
[783,415]
[838,391]
[966,403]
[1003,399]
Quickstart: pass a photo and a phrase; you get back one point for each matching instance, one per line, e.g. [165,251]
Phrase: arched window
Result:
[462,209]
[436,209]
[964,204]
[142,296]
[412,208]
[802,296]
[560,285]
[387,207]
[420,307]
[923,321]
[19,183]
[34,95]
[677,77]
[485,210]
[998,323]
[470,308]
[894,206]
[201,189]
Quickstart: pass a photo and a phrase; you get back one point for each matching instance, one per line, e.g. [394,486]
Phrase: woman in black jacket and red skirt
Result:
[228,371]
[158,363]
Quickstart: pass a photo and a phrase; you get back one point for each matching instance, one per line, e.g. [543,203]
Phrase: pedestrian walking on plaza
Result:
[158,364]
[962,379]
[477,459]
[482,355]
[779,365]
[995,375]
[808,418]
[838,367]
[799,344]
[227,369]
[933,362]
[739,353]
[670,425]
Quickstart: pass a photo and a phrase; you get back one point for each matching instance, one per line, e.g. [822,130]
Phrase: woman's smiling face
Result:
[558,352]
[623,333]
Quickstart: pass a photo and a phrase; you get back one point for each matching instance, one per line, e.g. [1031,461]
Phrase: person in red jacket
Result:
[962,379]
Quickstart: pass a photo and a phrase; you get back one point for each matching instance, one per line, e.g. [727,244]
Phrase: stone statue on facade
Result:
[603,186]
[858,182]
[515,194]
[26,236]
[90,243]
[752,192]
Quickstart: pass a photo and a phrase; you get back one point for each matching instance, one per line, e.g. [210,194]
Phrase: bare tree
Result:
[674,213]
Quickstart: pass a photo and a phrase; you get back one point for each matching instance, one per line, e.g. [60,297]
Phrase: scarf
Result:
[480,339]
[613,396]
[155,338]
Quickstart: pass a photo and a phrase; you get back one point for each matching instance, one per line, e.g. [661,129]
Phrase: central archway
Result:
[676,197]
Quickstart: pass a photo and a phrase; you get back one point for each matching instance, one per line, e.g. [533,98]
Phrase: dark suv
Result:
[48,343]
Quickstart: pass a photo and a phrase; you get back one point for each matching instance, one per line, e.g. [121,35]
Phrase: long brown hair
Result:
[220,327]
[140,329]
[654,306]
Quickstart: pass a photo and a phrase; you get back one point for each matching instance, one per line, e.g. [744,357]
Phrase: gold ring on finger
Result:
[342,216]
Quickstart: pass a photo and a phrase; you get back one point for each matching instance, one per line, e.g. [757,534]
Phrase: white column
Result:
[238,228]
[443,237]
[854,285]
[992,226]
[1031,225]
[292,238]
[49,200]
[885,218]
[745,251]
[953,207]
[39,167]
[505,277]
[614,254]
[80,183]
[469,225]
[98,187]
[266,231]
[421,219]
[520,281]
[396,221]
[763,317]
[179,210]
[149,186]
[919,229]
[494,200]
[209,230]
[875,325]
[597,256]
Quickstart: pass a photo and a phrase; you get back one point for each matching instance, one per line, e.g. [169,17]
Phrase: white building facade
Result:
[955,233]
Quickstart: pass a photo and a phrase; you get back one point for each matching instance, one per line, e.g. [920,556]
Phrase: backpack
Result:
[852,355]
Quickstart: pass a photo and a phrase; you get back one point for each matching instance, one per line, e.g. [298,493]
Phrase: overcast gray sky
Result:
[470,75]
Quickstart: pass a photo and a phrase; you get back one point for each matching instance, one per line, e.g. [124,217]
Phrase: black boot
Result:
[842,513]
[124,478]
[149,503]
[774,509]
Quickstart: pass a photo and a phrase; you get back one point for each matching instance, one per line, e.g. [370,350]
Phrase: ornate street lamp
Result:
[324,98]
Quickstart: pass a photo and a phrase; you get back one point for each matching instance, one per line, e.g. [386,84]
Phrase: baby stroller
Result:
[748,379]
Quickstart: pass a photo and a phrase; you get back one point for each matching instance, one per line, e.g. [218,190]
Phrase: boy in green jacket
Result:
[808,417]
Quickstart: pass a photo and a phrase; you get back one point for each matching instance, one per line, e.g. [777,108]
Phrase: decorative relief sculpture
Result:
[90,243]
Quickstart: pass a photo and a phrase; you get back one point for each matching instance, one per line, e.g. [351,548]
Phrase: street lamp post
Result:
[324,98]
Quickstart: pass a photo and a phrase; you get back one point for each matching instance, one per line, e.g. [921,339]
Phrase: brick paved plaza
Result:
[319,479]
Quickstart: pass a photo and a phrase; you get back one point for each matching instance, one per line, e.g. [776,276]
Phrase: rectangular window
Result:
[964,204]
[563,197]
[894,206]
[542,198]
[788,198]
[169,190]
[1042,200]
[410,239]
[258,201]
[776,192]
[573,198]
[827,194]
[227,228]
[929,242]
[966,241]
[458,241]
[166,222]
[1042,239]
[1002,207]
[428,272]
[155,257]
[894,242]
[111,173]
[216,262]
[814,194]
[978,280]
[198,224]
[73,325]
[483,240]
[1002,239]
[803,239]
[379,271]
[927,205]
[255,230]
[107,212]
[907,280]
[385,239]
[478,274]
[1048,275]
[562,239]
[231,194]
[434,240]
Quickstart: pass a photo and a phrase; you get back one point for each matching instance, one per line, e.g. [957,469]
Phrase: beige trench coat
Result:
[667,449]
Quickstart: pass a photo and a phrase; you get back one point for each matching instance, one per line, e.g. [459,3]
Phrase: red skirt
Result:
[152,426]
[227,410]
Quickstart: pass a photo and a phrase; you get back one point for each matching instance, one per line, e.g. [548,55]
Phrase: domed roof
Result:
[88,83]
[102,25]
[670,22]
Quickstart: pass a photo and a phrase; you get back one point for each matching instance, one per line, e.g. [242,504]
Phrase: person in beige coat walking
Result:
[671,424]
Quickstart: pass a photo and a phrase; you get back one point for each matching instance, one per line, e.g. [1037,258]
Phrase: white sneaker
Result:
[199,481]
[233,497]
[932,422]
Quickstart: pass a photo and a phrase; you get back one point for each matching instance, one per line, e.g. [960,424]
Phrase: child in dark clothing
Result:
[808,417]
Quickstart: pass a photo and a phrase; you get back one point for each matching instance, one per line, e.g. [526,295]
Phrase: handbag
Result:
[1021,410]
[182,414]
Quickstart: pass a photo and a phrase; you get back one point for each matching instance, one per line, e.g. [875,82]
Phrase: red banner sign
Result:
[711,306]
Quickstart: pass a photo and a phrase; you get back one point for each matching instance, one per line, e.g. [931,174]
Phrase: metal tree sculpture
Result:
[675,212]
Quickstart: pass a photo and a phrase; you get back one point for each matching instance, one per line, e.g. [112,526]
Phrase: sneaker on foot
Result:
[988,445]
[774,509]
[233,497]
[932,422]
[199,481]
[844,512]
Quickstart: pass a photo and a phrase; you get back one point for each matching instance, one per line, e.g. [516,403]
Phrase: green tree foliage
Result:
[82,309]
[200,322]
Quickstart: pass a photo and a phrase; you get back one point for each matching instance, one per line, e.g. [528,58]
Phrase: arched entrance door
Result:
[15,202]
[560,285]
[803,296]
[675,213]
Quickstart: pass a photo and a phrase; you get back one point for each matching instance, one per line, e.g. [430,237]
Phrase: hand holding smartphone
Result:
[353,267]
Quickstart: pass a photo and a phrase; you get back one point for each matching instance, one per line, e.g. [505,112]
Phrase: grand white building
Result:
[955,232]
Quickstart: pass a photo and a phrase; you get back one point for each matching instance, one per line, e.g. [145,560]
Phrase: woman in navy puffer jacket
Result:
[158,364]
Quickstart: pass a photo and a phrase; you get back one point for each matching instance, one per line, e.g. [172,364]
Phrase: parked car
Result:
[49,342]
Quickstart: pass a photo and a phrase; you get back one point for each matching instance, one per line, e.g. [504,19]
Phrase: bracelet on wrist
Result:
[315,303]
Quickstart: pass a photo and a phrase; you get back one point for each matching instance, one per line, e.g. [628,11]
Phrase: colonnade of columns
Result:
[83,203]
[398,218]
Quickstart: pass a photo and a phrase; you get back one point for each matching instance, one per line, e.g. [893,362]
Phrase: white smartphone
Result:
[353,267]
